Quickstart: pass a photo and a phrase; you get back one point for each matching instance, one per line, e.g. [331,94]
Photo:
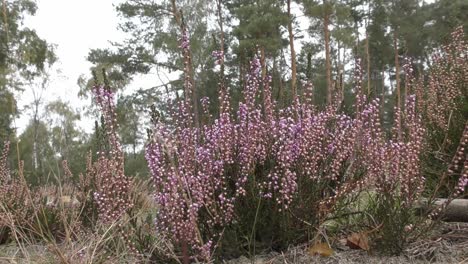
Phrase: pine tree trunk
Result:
[263,62]
[293,54]
[280,86]
[368,54]
[368,65]
[383,89]
[326,22]
[397,76]
[397,69]
[221,28]
[340,68]
[222,84]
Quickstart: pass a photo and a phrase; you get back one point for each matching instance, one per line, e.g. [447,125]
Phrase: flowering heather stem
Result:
[112,194]
[4,169]
[457,168]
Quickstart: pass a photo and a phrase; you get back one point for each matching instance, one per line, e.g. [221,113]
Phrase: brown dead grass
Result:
[449,244]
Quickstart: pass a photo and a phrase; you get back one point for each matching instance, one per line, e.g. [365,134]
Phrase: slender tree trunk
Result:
[264,71]
[293,53]
[326,22]
[241,72]
[397,69]
[35,159]
[383,89]
[277,74]
[368,53]
[368,64]
[35,150]
[340,69]
[280,88]
[36,103]
[407,87]
[341,72]
[222,85]
[221,28]
[263,61]
[397,76]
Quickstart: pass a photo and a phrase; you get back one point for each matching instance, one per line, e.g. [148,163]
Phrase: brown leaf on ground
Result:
[358,241]
[322,249]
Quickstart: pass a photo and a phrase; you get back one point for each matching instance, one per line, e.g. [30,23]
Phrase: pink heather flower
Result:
[218,55]
[113,187]
[184,40]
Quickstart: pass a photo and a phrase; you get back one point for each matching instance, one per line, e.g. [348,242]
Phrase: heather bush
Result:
[16,207]
[457,169]
[442,101]
[266,176]
[272,175]
[44,213]
[417,160]
[396,168]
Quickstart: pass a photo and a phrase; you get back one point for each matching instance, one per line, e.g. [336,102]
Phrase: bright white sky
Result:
[75,27]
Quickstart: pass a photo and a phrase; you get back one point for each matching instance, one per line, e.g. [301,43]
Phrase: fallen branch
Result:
[455,211]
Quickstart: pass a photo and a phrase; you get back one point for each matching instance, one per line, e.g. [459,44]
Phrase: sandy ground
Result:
[449,244]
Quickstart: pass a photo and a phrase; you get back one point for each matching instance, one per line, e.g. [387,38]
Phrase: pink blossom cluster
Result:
[112,190]
[447,81]
[396,164]
[459,163]
[4,169]
[457,168]
[191,181]
[200,173]
[218,55]
[13,193]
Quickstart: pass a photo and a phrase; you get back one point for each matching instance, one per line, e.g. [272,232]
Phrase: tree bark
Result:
[263,61]
[293,54]
[368,53]
[222,85]
[397,76]
[383,89]
[368,64]
[456,210]
[280,86]
[326,22]
[264,71]
[397,69]
[221,28]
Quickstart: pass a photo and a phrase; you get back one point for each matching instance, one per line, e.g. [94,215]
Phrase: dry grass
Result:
[448,244]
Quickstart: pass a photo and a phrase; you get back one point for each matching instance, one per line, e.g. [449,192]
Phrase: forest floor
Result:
[449,244]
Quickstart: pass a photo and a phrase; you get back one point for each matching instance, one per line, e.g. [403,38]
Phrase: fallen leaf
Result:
[322,249]
[358,241]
